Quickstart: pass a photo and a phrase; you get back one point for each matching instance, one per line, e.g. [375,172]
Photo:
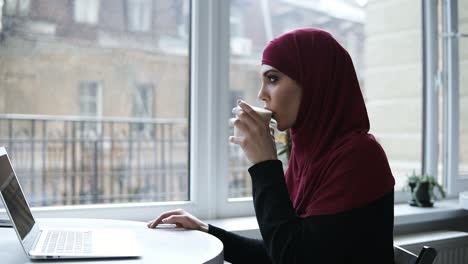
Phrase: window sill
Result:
[404,214]
[442,210]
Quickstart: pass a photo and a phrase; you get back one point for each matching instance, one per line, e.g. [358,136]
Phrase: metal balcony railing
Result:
[70,160]
[66,160]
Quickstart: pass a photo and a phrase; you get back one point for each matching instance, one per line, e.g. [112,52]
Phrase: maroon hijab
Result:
[335,164]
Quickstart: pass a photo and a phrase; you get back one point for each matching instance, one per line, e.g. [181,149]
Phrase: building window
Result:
[17,7]
[90,94]
[236,21]
[139,15]
[143,105]
[89,98]
[86,11]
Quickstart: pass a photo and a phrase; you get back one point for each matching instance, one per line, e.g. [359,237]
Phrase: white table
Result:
[160,245]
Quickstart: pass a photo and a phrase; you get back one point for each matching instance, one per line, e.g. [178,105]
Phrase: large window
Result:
[390,82]
[158,111]
[78,114]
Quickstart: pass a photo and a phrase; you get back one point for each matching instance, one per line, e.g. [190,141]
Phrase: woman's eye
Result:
[272,79]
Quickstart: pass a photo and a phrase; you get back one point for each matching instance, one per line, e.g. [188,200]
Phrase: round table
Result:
[160,245]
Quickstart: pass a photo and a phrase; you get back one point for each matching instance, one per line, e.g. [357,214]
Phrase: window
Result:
[90,99]
[443,154]
[453,111]
[391,84]
[90,96]
[17,7]
[186,161]
[86,11]
[143,105]
[77,120]
[139,15]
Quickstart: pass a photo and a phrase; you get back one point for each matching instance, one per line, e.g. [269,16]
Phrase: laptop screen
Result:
[14,198]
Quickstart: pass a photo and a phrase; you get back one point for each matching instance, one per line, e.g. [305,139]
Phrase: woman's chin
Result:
[280,128]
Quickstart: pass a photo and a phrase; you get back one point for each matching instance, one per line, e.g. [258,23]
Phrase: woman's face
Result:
[281,94]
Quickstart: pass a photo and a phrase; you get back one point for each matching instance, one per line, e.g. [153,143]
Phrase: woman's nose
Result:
[262,94]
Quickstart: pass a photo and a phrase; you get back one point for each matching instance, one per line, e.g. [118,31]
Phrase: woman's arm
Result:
[239,249]
[348,237]
[281,228]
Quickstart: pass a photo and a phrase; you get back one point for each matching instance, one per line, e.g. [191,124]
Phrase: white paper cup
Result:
[264,113]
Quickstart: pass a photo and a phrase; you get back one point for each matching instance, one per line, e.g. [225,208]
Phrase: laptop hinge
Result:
[36,241]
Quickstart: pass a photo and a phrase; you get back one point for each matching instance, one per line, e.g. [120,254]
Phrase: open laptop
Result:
[51,243]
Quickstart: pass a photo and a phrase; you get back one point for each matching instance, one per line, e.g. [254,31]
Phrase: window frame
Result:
[443,80]
[208,191]
[208,170]
[209,144]
[454,182]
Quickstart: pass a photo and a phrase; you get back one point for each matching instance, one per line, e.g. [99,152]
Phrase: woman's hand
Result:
[257,140]
[180,218]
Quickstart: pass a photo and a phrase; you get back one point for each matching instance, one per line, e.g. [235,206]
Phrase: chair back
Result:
[403,256]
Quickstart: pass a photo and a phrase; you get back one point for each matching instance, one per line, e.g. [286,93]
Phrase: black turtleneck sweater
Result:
[361,235]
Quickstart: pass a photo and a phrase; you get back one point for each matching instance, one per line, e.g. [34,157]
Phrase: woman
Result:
[335,203]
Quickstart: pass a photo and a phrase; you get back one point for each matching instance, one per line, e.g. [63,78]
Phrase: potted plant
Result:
[422,190]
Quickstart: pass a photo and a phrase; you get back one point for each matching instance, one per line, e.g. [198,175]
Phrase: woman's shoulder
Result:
[360,152]
[357,143]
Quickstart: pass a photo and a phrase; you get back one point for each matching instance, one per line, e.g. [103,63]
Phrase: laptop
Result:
[58,243]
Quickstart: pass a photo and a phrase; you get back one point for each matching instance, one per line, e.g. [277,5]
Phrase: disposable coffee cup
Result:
[264,114]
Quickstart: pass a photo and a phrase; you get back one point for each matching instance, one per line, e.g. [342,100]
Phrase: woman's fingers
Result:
[245,122]
[238,124]
[257,137]
[244,117]
[233,121]
[254,116]
[237,140]
[181,220]
[162,216]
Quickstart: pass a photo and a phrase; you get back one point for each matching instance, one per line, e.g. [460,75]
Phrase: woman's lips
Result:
[273,115]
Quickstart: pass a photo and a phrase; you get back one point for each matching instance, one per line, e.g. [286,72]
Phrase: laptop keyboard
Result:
[68,242]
